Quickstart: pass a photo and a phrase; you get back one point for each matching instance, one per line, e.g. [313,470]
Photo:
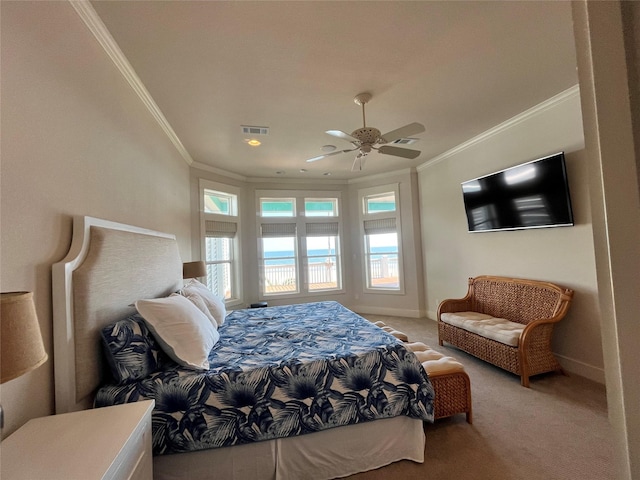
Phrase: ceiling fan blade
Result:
[402,132]
[398,152]
[320,157]
[342,135]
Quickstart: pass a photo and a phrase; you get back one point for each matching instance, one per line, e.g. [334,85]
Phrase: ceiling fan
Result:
[366,139]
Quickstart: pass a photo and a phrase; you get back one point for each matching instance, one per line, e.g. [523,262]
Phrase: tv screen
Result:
[531,195]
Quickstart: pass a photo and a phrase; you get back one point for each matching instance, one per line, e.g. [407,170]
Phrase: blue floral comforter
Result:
[279,372]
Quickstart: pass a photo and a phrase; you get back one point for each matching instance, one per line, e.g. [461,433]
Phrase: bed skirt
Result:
[333,453]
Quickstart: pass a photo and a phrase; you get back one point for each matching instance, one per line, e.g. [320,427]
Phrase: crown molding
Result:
[218,171]
[379,176]
[279,180]
[367,178]
[521,117]
[95,25]
[301,181]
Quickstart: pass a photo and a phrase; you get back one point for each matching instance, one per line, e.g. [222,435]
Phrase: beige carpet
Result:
[557,429]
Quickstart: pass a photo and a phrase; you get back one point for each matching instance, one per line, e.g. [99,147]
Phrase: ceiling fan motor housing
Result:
[364,150]
[366,135]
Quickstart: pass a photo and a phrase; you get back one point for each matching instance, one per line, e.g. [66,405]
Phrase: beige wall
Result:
[630,23]
[563,255]
[75,141]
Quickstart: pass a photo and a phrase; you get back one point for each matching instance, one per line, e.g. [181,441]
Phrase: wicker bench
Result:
[507,322]
[450,382]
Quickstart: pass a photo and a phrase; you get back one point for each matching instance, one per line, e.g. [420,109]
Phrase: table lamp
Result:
[194,269]
[21,347]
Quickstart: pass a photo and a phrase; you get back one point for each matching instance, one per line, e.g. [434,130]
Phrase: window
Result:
[299,243]
[279,258]
[321,207]
[380,227]
[322,256]
[220,202]
[382,202]
[220,225]
[277,207]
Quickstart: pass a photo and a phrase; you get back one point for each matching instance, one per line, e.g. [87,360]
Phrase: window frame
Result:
[301,220]
[235,261]
[364,216]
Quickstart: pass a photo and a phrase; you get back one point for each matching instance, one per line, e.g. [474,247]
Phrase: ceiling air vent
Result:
[405,141]
[251,130]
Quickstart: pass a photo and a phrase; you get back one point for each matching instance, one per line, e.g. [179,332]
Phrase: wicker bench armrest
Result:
[563,306]
[451,305]
[533,328]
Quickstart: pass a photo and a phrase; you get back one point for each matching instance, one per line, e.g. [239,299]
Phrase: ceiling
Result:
[458,68]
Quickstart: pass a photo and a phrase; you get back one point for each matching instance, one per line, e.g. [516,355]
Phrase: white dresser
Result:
[110,443]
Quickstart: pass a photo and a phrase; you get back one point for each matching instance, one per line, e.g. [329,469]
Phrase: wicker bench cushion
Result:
[450,382]
[435,363]
[498,329]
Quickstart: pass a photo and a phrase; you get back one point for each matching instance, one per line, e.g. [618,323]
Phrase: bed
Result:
[364,402]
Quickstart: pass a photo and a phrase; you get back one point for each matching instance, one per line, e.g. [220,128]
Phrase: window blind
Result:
[278,230]
[380,225]
[218,229]
[322,229]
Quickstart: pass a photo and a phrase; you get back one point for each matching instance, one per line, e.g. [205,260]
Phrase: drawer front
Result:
[144,468]
[135,460]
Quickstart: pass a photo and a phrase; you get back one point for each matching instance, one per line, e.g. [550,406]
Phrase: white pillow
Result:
[197,300]
[181,329]
[214,303]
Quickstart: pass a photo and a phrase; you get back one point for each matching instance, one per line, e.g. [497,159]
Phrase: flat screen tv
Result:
[531,195]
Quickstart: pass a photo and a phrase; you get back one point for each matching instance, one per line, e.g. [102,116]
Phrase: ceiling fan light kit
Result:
[366,139]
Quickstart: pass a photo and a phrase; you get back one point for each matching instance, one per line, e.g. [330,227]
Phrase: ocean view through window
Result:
[299,242]
[380,227]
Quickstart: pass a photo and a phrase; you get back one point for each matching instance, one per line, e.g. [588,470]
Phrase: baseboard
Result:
[582,369]
[395,312]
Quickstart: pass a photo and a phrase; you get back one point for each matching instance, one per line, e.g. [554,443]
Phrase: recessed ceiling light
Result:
[253,142]
[328,148]
[327,173]
[303,170]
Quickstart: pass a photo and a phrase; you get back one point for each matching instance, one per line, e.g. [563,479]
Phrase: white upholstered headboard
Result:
[109,266]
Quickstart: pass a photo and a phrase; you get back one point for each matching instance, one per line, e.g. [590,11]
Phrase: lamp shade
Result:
[21,347]
[194,269]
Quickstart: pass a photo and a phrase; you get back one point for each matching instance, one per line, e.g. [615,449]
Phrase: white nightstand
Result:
[102,443]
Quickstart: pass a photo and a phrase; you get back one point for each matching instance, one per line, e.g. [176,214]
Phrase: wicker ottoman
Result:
[450,382]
